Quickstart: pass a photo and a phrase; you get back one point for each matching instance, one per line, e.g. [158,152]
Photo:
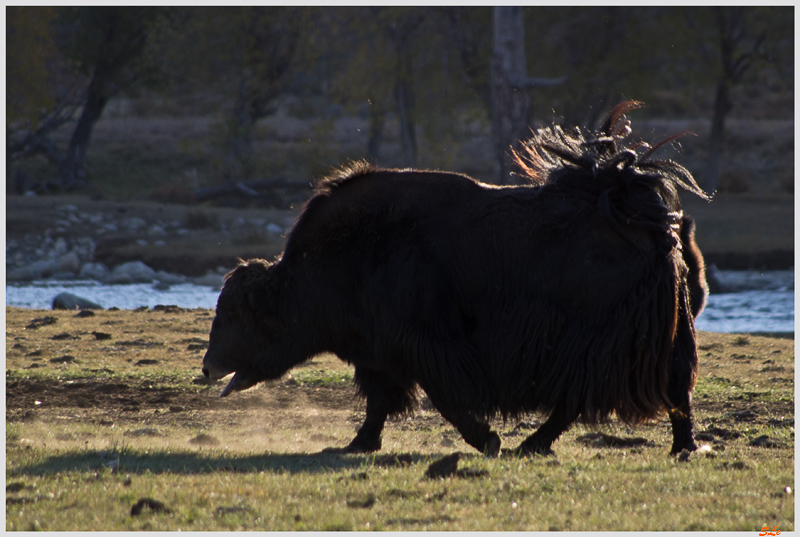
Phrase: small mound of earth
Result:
[204,440]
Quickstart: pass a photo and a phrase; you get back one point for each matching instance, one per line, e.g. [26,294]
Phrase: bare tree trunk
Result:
[71,169]
[238,160]
[509,85]
[404,92]
[716,139]
[404,98]
[376,121]
[736,59]
[509,103]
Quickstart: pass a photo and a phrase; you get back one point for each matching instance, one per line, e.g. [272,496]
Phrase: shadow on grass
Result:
[130,462]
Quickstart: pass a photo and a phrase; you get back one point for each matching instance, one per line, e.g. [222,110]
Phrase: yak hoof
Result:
[360,446]
[492,447]
[527,450]
[678,449]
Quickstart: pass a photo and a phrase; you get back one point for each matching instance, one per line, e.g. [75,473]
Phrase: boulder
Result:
[94,271]
[169,278]
[132,272]
[134,223]
[68,301]
[63,276]
[210,279]
[68,263]
[35,271]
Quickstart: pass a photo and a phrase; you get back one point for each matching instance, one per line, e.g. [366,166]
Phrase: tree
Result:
[105,44]
[509,85]
[386,59]
[245,57]
[38,100]
[740,46]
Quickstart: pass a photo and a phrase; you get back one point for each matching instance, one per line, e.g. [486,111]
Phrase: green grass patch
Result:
[322,377]
[89,440]
[582,489]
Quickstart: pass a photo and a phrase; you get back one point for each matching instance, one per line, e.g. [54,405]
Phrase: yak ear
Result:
[259,285]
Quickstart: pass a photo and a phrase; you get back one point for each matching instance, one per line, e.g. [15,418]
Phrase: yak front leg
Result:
[384,398]
[476,433]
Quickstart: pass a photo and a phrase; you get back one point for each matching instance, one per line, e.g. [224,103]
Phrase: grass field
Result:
[110,426]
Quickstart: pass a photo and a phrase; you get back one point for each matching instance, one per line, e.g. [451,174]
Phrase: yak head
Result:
[245,328]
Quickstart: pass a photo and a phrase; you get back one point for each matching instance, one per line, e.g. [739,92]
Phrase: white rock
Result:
[210,279]
[94,271]
[34,271]
[60,247]
[69,262]
[132,272]
[134,223]
[275,229]
[170,278]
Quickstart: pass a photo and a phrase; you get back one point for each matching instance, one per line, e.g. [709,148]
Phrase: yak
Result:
[566,295]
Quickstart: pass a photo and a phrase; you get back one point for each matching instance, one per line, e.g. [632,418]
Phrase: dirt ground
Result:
[137,373]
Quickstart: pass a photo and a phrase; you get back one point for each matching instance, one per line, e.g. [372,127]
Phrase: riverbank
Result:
[57,236]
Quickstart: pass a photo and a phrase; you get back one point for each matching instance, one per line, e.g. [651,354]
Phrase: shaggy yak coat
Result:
[566,296]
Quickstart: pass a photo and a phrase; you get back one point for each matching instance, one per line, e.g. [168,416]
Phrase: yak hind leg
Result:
[679,388]
[682,437]
[541,441]
[384,398]
[681,415]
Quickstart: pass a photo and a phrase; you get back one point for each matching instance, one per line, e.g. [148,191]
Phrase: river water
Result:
[763,301]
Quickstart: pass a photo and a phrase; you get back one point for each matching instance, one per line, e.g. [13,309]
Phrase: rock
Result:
[60,247]
[132,272]
[68,301]
[169,278]
[133,223]
[149,504]
[119,279]
[35,271]
[210,279]
[68,263]
[204,440]
[444,467]
[63,276]
[94,271]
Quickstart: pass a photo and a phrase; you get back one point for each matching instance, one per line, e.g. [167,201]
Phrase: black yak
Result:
[566,296]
